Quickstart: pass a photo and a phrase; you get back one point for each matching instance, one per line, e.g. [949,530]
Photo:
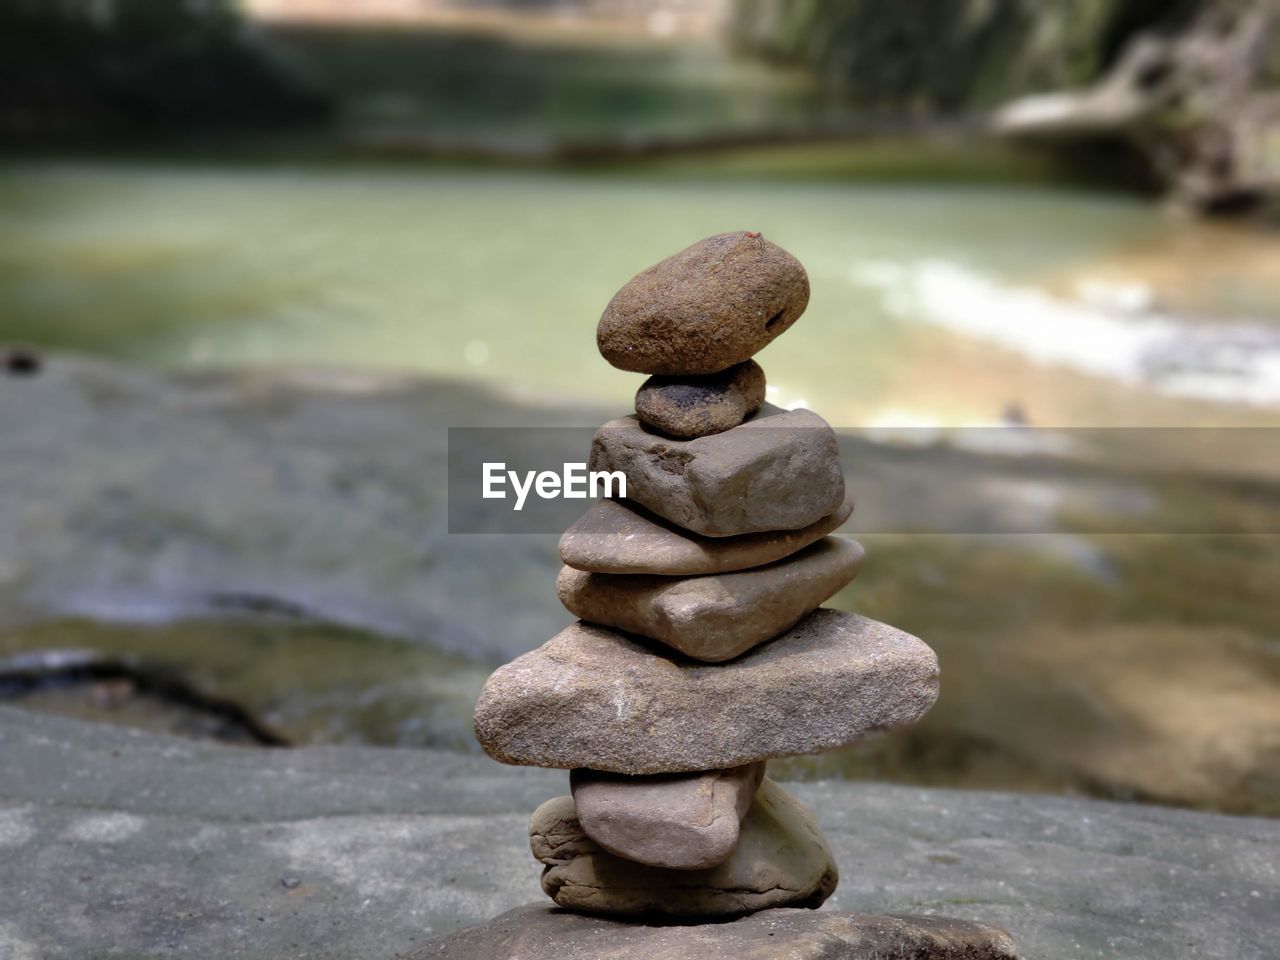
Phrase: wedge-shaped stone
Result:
[681,821]
[778,471]
[538,932]
[688,407]
[705,308]
[591,697]
[620,536]
[781,860]
[720,616]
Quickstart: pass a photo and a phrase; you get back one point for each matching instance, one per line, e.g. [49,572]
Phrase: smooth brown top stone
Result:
[719,616]
[780,860]
[778,471]
[620,536]
[538,932]
[688,407]
[705,308]
[591,697]
[680,821]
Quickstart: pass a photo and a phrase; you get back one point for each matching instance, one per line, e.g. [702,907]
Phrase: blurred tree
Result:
[74,67]
[1193,85]
[947,56]
[1200,99]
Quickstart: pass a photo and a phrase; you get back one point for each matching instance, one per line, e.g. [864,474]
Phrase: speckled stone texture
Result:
[620,536]
[681,821]
[705,308]
[778,471]
[719,616]
[198,855]
[780,860]
[538,932]
[591,697]
[688,407]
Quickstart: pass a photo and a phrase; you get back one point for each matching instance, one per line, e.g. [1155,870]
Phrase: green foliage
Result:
[77,66]
[945,56]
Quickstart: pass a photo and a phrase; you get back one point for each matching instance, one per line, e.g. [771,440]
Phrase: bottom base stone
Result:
[539,932]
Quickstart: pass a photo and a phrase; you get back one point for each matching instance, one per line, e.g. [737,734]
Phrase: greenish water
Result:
[497,276]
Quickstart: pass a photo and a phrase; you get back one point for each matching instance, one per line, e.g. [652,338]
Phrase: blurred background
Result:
[256,257]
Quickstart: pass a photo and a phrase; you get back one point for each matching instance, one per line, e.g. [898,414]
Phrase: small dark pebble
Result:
[289,882]
[689,407]
[21,362]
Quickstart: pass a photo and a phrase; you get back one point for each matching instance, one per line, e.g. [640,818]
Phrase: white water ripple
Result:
[1113,332]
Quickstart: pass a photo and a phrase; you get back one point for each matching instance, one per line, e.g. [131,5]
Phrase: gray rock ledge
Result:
[118,843]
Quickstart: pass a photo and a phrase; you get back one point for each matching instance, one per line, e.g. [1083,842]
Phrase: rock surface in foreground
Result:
[678,821]
[542,933]
[705,308]
[688,407]
[198,865]
[623,537]
[778,471]
[590,697]
[720,616]
[781,860]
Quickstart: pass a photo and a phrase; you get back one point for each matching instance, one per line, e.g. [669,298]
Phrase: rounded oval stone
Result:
[705,308]
[688,407]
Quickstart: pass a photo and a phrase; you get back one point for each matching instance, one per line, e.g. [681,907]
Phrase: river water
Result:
[931,304]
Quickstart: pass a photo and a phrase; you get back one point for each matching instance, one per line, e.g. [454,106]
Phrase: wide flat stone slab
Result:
[719,616]
[681,821]
[118,843]
[780,860]
[537,932]
[778,471]
[591,697]
[616,536]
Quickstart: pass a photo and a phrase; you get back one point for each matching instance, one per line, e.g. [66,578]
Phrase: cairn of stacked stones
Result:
[702,650]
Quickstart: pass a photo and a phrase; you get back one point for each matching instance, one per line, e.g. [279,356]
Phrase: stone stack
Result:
[702,650]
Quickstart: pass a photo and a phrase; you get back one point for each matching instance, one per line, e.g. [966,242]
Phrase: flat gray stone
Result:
[590,697]
[141,845]
[720,616]
[537,932]
[778,471]
[705,308]
[620,536]
[780,860]
[688,407]
[678,821]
